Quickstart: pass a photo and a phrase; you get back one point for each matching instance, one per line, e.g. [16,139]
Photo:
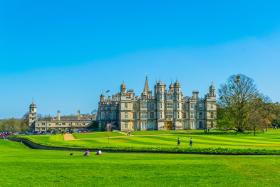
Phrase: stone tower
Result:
[160,99]
[211,108]
[177,103]
[32,116]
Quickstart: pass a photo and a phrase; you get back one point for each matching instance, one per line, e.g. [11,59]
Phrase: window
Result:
[200,106]
[212,114]
[200,115]
[169,114]
[143,115]
[161,115]
[178,115]
[192,115]
[152,115]
[151,106]
[143,105]
[125,125]
[169,105]
[125,105]
[192,105]
[126,115]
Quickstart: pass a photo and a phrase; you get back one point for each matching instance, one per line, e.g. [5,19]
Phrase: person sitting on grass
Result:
[178,141]
[98,152]
[87,153]
[191,142]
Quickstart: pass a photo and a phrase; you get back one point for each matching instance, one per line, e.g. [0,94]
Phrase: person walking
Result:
[178,141]
[191,142]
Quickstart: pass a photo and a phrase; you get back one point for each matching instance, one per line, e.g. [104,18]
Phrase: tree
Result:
[94,126]
[235,97]
[257,118]
[24,124]
[275,110]
[224,121]
[10,125]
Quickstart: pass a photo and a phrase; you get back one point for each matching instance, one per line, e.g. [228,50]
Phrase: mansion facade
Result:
[162,110]
[58,123]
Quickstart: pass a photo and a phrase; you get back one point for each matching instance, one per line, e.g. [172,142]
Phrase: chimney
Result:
[79,115]
[58,115]
[195,95]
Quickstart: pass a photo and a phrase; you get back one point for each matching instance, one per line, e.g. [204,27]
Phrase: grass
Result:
[213,142]
[20,166]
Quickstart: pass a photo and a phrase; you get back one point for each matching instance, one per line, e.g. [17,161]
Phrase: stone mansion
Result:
[164,109]
[59,123]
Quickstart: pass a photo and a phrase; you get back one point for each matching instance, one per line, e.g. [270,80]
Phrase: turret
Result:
[195,94]
[102,98]
[171,87]
[123,88]
[160,87]
[32,115]
[177,86]
[32,108]
[212,91]
[160,96]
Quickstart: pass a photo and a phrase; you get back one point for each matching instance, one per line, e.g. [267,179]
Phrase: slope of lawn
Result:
[21,166]
[167,141]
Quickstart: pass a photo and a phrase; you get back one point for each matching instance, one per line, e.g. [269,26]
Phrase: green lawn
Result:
[167,140]
[21,166]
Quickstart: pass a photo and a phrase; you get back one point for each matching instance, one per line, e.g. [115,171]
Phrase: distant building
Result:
[59,123]
[165,109]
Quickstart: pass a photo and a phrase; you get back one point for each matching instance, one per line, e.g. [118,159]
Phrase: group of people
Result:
[190,142]
[98,152]
[3,135]
[87,152]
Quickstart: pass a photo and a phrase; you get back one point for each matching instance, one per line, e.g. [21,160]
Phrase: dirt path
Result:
[68,137]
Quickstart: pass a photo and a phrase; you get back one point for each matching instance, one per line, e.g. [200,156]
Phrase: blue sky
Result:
[65,53]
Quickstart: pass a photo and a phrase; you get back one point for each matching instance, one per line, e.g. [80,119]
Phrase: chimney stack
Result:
[58,115]
[79,114]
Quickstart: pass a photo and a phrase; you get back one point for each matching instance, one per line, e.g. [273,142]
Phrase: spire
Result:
[212,90]
[146,87]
